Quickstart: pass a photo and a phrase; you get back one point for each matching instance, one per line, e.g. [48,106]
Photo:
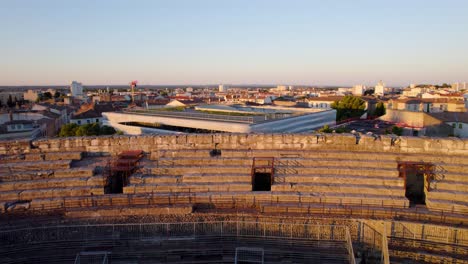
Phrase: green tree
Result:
[94,129]
[10,101]
[107,130]
[47,96]
[68,130]
[380,109]
[88,130]
[369,92]
[348,107]
[397,130]
[325,129]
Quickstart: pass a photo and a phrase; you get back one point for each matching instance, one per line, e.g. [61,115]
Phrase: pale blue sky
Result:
[334,42]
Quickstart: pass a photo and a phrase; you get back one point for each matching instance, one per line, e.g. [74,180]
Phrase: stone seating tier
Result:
[448,205]
[50,193]
[187,187]
[453,177]
[97,180]
[34,166]
[451,185]
[280,161]
[189,178]
[130,211]
[182,170]
[334,178]
[48,156]
[226,199]
[323,188]
[46,174]
[311,154]
[461,196]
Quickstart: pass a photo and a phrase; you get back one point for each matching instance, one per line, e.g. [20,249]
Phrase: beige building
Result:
[428,105]
[5,95]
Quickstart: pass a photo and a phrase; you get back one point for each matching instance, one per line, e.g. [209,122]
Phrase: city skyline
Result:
[337,43]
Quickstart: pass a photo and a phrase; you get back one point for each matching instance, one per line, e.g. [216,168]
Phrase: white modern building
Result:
[358,90]
[76,89]
[380,88]
[459,86]
[222,88]
[282,88]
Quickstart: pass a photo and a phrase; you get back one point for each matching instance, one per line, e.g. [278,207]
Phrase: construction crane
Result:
[133,84]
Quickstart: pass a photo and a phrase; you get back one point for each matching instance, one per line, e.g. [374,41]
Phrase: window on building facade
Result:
[79,122]
[460,126]
[97,120]
[454,125]
[88,121]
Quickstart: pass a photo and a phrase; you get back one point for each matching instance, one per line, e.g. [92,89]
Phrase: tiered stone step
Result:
[448,185]
[426,251]
[199,153]
[130,211]
[221,199]
[335,162]
[42,156]
[347,155]
[183,170]
[204,161]
[46,174]
[216,178]
[448,205]
[50,193]
[338,170]
[63,155]
[97,180]
[330,178]
[187,188]
[448,200]
[451,176]
[34,166]
[343,188]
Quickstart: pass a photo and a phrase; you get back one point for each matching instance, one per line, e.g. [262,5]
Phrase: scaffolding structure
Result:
[124,165]
[423,168]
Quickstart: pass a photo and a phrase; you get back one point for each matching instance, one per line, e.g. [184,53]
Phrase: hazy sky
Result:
[333,42]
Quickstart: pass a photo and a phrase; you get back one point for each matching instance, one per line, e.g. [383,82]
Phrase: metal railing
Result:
[148,230]
[349,247]
[299,204]
[326,237]
[385,259]
[98,257]
[429,232]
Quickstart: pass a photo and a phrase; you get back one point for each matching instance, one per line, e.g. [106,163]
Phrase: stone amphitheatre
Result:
[234,198]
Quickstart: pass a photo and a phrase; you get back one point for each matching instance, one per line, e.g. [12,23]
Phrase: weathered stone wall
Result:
[148,143]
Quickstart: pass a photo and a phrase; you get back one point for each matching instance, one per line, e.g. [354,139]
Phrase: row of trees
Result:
[352,106]
[13,102]
[72,130]
[349,107]
[47,96]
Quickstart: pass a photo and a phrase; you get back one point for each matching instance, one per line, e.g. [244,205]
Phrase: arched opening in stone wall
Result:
[261,181]
[417,176]
[414,188]
[262,173]
[116,182]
